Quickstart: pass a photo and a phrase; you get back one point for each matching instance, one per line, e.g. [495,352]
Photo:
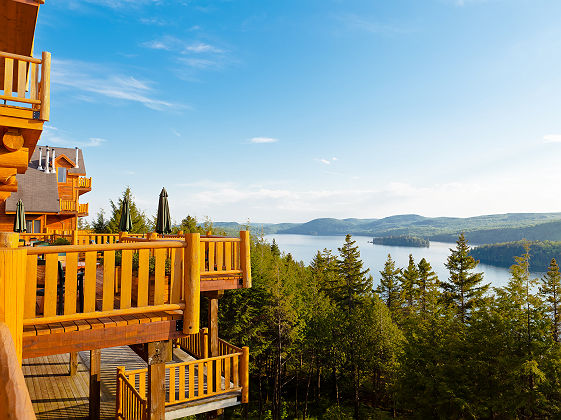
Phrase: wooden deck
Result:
[57,395]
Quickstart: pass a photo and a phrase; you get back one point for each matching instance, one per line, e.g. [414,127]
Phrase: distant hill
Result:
[479,230]
[502,254]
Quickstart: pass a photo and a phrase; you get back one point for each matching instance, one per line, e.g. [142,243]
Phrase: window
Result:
[37,226]
[28,226]
[61,174]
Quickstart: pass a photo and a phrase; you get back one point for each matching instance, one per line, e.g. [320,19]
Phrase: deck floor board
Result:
[57,395]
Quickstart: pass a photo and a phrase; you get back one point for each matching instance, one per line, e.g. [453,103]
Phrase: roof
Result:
[38,190]
[67,151]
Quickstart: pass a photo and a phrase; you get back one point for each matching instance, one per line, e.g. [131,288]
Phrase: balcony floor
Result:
[57,395]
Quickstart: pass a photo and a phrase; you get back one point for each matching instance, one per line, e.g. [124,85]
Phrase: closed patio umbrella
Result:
[125,224]
[163,219]
[19,221]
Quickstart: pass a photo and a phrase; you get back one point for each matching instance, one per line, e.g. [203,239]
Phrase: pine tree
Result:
[354,284]
[409,279]
[428,288]
[463,290]
[551,290]
[100,224]
[139,221]
[389,289]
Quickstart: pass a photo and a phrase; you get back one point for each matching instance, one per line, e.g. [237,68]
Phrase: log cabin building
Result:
[50,190]
[73,301]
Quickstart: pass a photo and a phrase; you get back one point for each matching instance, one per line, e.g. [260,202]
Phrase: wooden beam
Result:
[95,383]
[192,283]
[111,336]
[12,140]
[17,159]
[163,351]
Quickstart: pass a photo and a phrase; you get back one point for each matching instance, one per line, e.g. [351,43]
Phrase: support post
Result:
[45,86]
[158,353]
[244,374]
[12,286]
[118,396]
[245,258]
[204,343]
[192,283]
[213,326]
[73,363]
[75,237]
[95,383]
[122,235]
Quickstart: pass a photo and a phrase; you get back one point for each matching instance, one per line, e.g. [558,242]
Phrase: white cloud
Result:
[156,45]
[327,161]
[201,47]
[81,77]
[52,136]
[552,138]
[261,140]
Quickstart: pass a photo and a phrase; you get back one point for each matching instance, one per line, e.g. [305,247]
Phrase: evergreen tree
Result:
[189,225]
[409,280]
[275,249]
[354,284]
[551,291]
[100,224]
[463,290]
[428,288]
[389,289]
[138,218]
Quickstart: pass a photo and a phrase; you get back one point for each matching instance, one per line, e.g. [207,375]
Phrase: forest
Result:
[402,240]
[326,344]
[503,254]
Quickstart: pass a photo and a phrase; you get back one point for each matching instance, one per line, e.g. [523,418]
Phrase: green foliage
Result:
[402,240]
[389,289]
[550,289]
[61,241]
[463,290]
[503,254]
[140,223]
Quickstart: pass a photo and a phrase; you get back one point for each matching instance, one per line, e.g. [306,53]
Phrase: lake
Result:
[305,247]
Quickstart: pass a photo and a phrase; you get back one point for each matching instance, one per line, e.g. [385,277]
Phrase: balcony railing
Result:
[20,82]
[83,208]
[70,205]
[84,182]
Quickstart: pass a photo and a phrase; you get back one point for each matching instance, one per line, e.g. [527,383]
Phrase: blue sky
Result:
[278,111]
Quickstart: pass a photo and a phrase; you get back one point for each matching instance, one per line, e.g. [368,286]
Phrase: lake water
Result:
[305,247]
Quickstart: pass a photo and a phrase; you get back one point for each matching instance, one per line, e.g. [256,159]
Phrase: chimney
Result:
[53,170]
[77,165]
[47,161]
[39,166]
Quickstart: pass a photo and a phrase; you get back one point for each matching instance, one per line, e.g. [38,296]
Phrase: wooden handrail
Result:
[97,314]
[18,57]
[15,402]
[104,247]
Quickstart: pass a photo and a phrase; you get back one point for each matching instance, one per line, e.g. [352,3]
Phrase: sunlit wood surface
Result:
[57,395]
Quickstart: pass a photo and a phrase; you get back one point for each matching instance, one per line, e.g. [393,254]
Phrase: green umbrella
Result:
[125,224]
[163,220]
[19,222]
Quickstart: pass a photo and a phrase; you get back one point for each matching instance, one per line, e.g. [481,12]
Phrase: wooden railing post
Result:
[118,396]
[12,286]
[192,283]
[45,86]
[204,343]
[74,237]
[122,235]
[244,373]
[245,258]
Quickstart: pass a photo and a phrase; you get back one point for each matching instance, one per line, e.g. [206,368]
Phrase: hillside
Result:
[479,230]
[502,254]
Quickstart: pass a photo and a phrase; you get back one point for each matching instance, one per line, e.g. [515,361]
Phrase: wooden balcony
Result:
[71,206]
[25,86]
[84,184]
[142,293]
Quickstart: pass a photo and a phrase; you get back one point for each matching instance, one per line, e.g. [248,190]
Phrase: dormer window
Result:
[61,174]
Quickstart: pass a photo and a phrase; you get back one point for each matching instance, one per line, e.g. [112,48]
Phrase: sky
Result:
[286,111]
